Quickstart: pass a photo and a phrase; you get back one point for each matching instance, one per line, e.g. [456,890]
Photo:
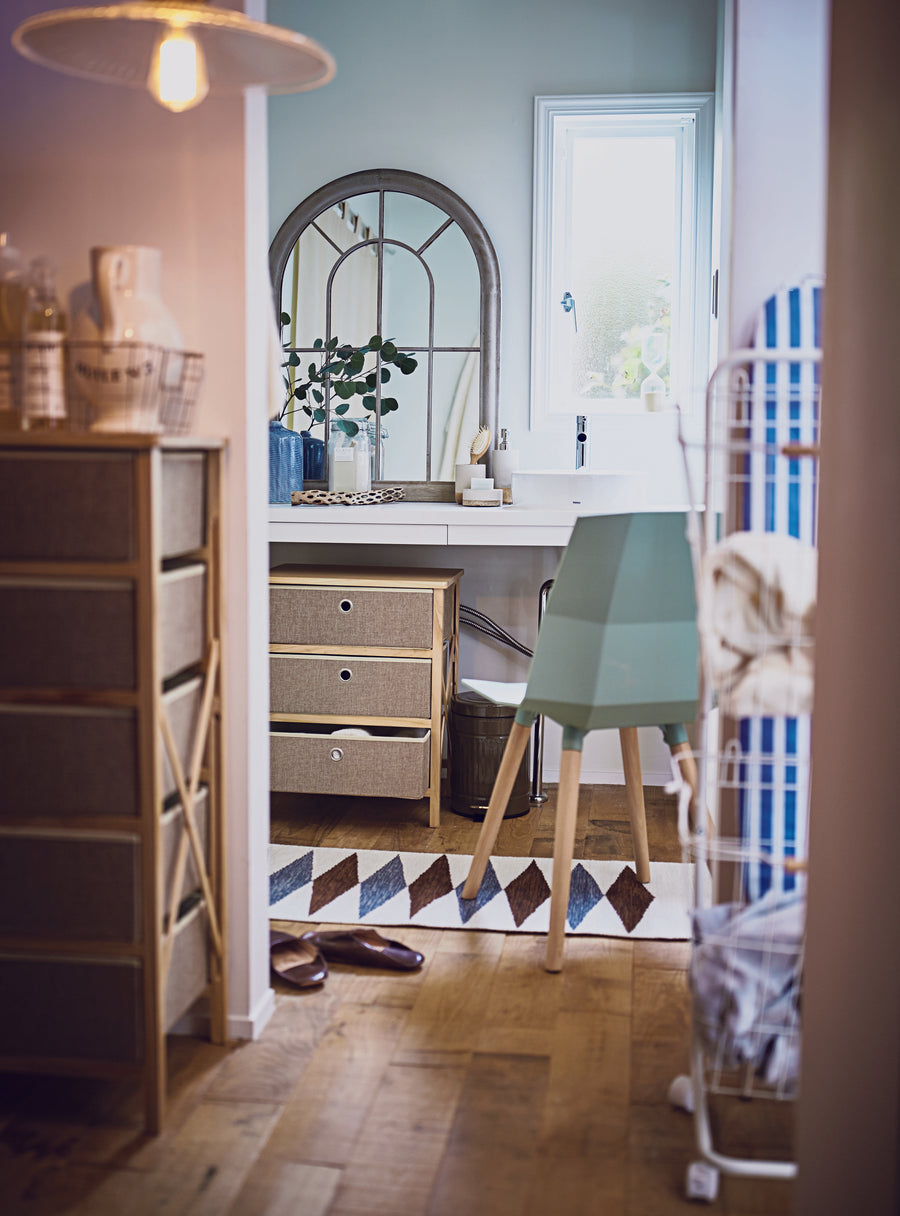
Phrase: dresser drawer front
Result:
[183,502]
[350,616]
[70,887]
[68,761]
[350,686]
[383,766]
[189,970]
[171,829]
[79,1008]
[182,705]
[52,507]
[182,617]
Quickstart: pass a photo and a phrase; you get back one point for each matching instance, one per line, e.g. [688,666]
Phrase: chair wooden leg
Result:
[634,792]
[503,784]
[563,851]
[688,766]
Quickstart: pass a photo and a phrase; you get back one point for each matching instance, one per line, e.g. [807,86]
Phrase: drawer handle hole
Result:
[337,753]
[346,674]
[346,605]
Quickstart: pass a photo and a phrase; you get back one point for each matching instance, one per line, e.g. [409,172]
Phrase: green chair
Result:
[617,648]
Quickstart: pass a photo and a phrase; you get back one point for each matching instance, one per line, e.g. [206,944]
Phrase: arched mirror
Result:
[390,253]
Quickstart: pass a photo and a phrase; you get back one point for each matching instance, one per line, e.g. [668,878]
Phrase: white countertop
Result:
[425,523]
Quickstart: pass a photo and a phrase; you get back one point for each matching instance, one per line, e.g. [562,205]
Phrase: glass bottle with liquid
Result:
[349,469]
[43,352]
[12,308]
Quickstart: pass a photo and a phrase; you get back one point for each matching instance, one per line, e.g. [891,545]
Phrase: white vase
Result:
[121,343]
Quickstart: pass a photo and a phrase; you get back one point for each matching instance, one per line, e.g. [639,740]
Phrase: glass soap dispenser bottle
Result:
[43,352]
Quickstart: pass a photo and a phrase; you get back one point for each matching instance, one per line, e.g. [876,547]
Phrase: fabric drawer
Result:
[350,616]
[70,886]
[51,508]
[325,684]
[68,760]
[171,827]
[182,617]
[182,705]
[384,764]
[189,970]
[184,502]
[65,633]
[59,1008]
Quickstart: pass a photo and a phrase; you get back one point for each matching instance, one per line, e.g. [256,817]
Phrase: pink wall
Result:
[85,164]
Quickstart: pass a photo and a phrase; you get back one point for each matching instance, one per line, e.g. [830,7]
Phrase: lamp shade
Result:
[116,43]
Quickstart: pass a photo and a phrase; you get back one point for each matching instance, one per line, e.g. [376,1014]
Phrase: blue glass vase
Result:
[313,458]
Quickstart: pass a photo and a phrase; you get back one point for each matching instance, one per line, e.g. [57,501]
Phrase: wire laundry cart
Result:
[753,542]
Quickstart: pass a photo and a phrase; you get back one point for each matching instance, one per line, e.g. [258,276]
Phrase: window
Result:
[622,234]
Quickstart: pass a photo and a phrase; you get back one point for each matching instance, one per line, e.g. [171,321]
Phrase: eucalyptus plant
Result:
[342,367]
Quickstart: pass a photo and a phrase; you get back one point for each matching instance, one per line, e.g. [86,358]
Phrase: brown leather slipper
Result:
[295,960]
[365,948]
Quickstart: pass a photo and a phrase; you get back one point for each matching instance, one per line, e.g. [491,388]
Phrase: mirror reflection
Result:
[409,262]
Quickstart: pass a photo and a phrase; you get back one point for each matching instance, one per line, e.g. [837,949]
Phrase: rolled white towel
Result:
[756,617]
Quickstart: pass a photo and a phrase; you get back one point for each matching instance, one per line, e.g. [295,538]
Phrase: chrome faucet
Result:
[582,443]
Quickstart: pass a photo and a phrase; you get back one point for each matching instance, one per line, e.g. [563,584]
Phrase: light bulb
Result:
[178,78]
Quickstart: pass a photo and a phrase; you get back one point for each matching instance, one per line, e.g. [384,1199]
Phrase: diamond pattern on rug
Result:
[334,882]
[584,894]
[388,888]
[490,886]
[430,885]
[381,886]
[630,898]
[527,892]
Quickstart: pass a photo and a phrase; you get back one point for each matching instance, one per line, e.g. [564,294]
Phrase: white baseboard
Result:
[254,1023]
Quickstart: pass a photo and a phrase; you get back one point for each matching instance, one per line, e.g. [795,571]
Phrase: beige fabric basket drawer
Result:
[183,502]
[350,616]
[350,685]
[58,1008]
[80,633]
[189,970]
[388,764]
[70,886]
[182,705]
[68,761]
[171,826]
[51,508]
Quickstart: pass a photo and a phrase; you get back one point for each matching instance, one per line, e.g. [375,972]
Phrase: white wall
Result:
[448,91]
[87,164]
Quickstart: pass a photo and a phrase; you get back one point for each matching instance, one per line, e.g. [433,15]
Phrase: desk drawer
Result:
[386,764]
[351,685]
[52,1007]
[350,616]
[70,886]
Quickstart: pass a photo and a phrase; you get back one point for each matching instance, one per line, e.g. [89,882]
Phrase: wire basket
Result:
[100,386]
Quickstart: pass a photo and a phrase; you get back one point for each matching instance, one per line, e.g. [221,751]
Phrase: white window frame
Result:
[689,116]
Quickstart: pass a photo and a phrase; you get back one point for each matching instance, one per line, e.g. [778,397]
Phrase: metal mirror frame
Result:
[403,182]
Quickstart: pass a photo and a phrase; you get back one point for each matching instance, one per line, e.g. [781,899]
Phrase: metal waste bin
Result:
[479,730]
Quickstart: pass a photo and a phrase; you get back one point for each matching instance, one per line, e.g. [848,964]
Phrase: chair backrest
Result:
[618,641]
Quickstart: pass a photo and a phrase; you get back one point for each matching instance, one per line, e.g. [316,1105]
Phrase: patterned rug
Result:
[363,886]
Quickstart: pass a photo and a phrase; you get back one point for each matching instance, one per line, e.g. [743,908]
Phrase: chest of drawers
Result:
[371,653]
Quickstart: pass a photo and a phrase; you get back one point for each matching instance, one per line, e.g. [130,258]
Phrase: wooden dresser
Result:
[371,653]
[112,901]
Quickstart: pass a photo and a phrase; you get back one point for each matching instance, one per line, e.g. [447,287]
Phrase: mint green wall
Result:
[448,90]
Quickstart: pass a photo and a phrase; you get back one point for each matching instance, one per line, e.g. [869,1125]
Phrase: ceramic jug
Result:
[125,343]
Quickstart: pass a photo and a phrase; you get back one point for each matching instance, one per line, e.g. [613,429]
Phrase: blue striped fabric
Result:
[780,497]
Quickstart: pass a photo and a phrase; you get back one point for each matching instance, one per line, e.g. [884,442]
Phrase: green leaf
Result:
[345,389]
[293,359]
[342,408]
[388,350]
[369,403]
[347,426]
[311,371]
[300,393]
[360,388]
[408,365]
[375,342]
[317,345]
[285,318]
[320,398]
[371,380]
[356,362]
[388,404]
[385,375]
[333,369]
[344,351]
[318,415]
[332,343]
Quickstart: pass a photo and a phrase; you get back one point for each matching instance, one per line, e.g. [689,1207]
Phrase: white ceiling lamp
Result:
[178,49]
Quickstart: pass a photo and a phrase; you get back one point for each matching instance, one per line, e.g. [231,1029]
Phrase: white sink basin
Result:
[590,491]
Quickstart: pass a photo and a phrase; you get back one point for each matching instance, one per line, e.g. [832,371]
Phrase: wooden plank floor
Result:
[479,1086]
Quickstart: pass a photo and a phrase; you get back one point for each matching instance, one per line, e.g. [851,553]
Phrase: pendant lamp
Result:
[178,49]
